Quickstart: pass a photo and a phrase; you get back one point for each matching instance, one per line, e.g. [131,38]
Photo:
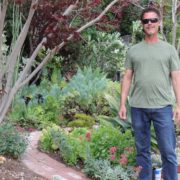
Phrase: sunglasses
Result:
[152,20]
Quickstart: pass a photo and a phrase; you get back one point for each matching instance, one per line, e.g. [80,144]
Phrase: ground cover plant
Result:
[13,143]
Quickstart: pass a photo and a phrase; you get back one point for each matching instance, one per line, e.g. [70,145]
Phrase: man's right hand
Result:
[122,113]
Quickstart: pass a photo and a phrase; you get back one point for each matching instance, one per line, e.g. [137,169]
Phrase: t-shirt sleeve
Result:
[174,60]
[128,62]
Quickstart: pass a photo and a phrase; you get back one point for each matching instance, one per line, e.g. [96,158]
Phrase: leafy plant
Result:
[103,170]
[105,51]
[12,142]
[177,127]
[67,151]
[105,137]
[78,132]
[114,109]
[85,87]
[37,106]
[82,120]
[53,139]
[71,148]
[50,138]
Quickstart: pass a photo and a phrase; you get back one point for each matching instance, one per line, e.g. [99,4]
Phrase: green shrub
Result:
[103,106]
[78,123]
[71,106]
[40,115]
[103,50]
[105,137]
[82,120]
[68,151]
[12,143]
[78,132]
[48,112]
[85,87]
[37,106]
[177,128]
[71,147]
[50,138]
[103,170]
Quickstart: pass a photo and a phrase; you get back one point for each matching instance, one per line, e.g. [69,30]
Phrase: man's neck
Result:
[151,39]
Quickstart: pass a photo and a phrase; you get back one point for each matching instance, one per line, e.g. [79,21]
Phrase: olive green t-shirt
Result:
[152,64]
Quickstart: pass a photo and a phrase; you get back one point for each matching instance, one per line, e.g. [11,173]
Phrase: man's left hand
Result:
[176,114]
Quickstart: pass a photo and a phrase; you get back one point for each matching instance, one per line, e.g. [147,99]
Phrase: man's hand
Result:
[122,112]
[176,114]
[175,75]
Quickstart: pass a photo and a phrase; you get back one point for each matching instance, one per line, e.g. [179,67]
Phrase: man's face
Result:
[150,23]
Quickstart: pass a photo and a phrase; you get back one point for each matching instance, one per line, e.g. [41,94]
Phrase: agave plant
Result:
[114,119]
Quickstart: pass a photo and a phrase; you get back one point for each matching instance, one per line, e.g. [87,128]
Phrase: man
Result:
[153,65]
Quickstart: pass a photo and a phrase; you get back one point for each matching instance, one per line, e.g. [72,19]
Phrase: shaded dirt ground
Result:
[15,170]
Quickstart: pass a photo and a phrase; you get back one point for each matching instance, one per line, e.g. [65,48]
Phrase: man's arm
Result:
[175,75]
[126,83]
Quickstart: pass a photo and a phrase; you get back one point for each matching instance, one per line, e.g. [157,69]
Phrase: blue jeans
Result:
[165,134]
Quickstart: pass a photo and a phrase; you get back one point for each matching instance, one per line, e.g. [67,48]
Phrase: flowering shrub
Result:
[125,158]
[108,142]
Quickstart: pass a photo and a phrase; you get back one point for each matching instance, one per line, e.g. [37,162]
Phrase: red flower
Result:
[113,150]
[123,160]
[88,136]
[112,157]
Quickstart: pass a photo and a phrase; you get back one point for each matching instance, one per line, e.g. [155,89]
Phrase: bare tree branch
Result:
[17,48]
[174,20]
[161,24]
[69,10]
[30,62]
[137,5]
[3,9]
[38,68]
[98,18]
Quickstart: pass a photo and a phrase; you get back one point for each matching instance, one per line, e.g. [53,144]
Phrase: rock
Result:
[2,159]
